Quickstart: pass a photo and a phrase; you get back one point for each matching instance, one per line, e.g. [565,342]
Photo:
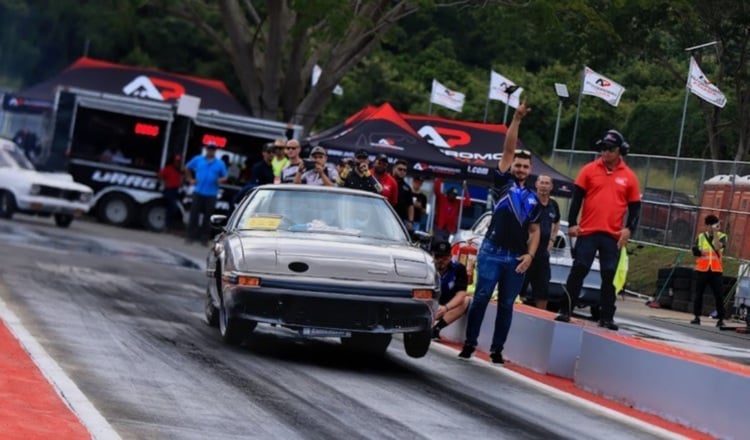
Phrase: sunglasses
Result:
[400,169]
[608,147]
[523,154]
[292,148]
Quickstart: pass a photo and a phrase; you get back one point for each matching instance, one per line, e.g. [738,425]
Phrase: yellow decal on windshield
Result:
[263,222]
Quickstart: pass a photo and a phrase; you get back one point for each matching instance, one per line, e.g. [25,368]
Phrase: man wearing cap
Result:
[448,206]
[295,161]
[453,281]
[261,173]
[390,187]
[709,270]
[171,177]
[359,177]
[279,160]
[323,174]
[608,189]
[508,247]
[205,173]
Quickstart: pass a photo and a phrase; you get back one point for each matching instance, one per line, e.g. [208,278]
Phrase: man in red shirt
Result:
[171,177]
[389,184]
[608,189]
[448,207]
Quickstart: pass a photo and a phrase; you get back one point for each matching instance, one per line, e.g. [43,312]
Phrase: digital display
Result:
[219,141]
[144,129]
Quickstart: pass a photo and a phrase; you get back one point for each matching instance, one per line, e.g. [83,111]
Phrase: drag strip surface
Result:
[128,330]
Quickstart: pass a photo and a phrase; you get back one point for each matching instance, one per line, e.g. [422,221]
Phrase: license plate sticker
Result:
[324,333]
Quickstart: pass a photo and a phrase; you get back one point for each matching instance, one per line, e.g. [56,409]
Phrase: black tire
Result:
[417,344]
[116,209]
[374,344]
[233,331]
[63,220]
[681,295]
[211,311]
[7,204]
[682,272]
[154,216]
[681,283]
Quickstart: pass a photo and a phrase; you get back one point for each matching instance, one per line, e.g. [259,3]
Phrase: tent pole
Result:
[486,108]
[575,124]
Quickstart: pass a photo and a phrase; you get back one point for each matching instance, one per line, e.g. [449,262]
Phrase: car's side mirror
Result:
[218,221]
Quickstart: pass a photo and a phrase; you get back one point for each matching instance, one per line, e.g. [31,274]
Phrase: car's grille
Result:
[58,193]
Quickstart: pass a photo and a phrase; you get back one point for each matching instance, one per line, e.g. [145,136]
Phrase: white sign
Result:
[701,87]
[498,90]
[601,87]
[446,97]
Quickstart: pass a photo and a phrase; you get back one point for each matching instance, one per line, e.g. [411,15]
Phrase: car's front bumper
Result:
[338,311]
[50,205]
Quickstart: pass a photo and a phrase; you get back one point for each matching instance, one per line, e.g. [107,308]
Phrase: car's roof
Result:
[317,188]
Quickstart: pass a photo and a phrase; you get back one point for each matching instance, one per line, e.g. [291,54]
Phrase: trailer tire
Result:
[116,209]
[154,216]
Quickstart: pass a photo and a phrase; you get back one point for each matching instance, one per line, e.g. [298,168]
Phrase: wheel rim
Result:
[222,319]
[156,218]
[116,211]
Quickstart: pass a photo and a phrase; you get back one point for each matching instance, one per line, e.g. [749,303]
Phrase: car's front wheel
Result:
[211,311]
[7,204]
[63,220]
[369,343]
[417,344]
[233,331]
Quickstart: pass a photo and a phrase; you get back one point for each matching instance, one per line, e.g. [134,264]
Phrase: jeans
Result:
[200,206]
[494,265]
[585,251]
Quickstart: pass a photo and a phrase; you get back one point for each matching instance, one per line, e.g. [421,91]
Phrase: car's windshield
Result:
[303,211]
[17,156]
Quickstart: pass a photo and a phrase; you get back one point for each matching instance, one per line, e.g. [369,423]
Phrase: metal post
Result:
[557,125]
[676,165]
[429,109]
[486,108]
[575,124]
[505,115]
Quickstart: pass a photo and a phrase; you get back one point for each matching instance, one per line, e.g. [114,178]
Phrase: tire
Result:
[154,216]
[680,232]
[116,209]
[7,204]
[417,344]
[682,272]
[374,344]
[681,283]
[211,311]
[63,220]
[233,331]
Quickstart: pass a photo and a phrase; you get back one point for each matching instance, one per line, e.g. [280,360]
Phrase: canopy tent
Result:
[480,147]
[382,130]
[118,79]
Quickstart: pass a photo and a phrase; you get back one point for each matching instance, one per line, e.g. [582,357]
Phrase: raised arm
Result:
[511,137]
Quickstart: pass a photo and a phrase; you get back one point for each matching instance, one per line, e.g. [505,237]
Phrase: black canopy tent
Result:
[383,130]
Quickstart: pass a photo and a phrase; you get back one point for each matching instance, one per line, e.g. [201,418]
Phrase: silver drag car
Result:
[326,262]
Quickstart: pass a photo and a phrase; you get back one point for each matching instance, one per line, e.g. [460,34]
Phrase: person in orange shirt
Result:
[608,189]
[448,207]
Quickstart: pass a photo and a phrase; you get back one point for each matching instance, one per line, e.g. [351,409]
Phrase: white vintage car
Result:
[24,189]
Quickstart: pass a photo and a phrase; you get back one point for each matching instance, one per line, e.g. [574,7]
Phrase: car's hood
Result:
[57,180]
[332,257]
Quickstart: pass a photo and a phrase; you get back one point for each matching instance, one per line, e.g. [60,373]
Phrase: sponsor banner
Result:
[499,86]
[19,104]
[701,87]
[446,97]
[601,87]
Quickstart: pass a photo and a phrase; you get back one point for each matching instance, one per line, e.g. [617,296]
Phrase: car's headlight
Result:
[35,189]
[85,197]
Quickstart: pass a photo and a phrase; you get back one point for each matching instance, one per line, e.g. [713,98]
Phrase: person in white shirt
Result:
[323,174]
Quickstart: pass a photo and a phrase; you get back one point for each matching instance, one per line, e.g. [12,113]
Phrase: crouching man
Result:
[453,280]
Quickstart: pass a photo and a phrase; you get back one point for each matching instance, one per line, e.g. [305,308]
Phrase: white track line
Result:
[96,424]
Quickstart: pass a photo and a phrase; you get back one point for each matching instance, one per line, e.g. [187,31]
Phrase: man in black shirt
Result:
[539,273]
[359,177]
[420,203]
[453,281]
[405,205]
[260,174]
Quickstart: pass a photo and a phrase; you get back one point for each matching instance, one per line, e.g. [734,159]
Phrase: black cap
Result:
[361,153]
[268,147]
[382,157]
[440,248]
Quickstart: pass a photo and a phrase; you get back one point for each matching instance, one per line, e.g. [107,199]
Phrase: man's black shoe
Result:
[435,333]
[497,357]
[467,351]
[562,317]
[608,324]
[696,321]
[720,323]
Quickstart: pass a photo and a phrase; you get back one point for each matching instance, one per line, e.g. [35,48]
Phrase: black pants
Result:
[713,279]
[585,251]
[200,206]
[538,276]
[173,218]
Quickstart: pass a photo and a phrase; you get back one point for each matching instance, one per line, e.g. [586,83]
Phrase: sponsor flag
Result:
[338,90]
[446,97]
[701,87]
[601,87]
[498,90]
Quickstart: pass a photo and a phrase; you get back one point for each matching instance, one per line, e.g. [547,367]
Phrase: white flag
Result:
[601,87]
[498,87]
[701,87]
[446,97]
[338,90]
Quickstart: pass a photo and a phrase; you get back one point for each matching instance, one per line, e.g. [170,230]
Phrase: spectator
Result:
[608,189]
[449,207]
[359,177]
[205,173]
[709,269]
[390,187]
[419,200]
[280,160]
[453,280]
[405,205]
[295,161]
[539,274]
[261,174]
[27,140]
[171,177]
[508,247]
[323,174]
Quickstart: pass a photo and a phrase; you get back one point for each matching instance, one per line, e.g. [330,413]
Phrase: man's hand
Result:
[574,231]
[525,263]
[521,111]
[624,237]
[319,168]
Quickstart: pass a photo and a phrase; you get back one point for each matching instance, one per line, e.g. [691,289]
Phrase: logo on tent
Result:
[154,88]
[444,137]
[421,166]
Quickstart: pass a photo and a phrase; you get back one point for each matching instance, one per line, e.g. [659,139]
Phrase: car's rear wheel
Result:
[7,204]
[63,220]
[116,209]
[417,344]
[233,331]
[369,343]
